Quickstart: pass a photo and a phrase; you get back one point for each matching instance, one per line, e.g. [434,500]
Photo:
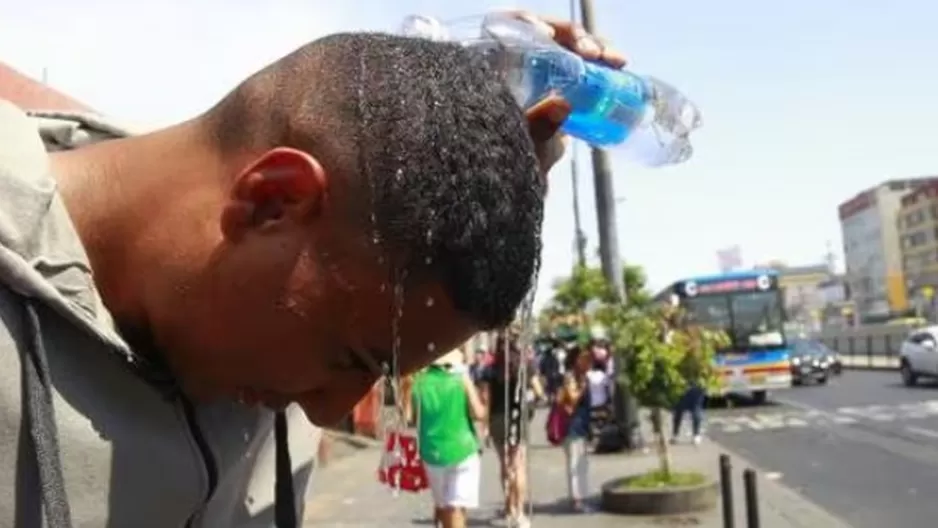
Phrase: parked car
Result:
[810,361]
[918,356]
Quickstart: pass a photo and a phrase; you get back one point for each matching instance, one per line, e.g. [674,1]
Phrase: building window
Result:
[914,218]
[915,239]
[934,211]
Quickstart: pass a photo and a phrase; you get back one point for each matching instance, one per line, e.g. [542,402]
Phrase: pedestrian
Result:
[445,404]
[599,382]
[505,393]
[692,402]
[694,397]
[179,307]
[574,399]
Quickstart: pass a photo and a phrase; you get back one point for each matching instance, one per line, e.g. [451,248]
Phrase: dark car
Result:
[837,366]
[811,361]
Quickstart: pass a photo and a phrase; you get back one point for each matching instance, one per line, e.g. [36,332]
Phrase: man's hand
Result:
[546,117]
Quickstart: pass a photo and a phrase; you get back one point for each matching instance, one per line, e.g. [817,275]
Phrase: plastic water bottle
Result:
[648,119]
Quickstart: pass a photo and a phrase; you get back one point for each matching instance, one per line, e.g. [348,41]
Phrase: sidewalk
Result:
[347,493]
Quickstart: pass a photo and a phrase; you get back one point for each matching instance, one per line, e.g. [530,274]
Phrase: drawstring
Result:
[40,416]
[284,499]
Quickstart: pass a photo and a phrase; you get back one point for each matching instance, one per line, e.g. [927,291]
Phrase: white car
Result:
[918,356]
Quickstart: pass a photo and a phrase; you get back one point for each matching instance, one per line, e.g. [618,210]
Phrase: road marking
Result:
[930,433]
[808,416]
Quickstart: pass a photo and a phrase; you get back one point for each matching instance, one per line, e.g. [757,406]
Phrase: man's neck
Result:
[114,192]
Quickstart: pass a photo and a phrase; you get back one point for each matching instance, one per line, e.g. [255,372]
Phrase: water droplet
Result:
[428,260]
[431,347]
[430,301]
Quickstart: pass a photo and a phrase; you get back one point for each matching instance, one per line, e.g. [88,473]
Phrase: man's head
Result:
[371,188]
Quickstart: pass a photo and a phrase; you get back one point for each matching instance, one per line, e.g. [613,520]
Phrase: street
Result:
[863,447]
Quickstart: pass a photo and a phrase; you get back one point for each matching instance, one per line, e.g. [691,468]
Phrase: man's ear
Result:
[281,184]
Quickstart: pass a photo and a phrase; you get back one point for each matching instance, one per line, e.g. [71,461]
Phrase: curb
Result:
[798,510]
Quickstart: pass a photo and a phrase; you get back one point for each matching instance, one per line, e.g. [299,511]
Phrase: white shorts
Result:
[456,486]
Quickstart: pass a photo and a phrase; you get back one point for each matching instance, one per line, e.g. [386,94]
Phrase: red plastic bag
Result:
[558,421]
[401,467]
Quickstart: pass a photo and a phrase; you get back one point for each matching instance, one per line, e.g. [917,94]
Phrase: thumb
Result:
[546,117]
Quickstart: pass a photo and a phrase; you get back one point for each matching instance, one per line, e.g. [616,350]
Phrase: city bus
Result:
[748,306]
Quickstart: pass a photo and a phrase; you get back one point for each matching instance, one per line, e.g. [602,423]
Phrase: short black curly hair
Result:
[431,135]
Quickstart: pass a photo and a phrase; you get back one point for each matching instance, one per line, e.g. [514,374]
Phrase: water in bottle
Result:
[648,119]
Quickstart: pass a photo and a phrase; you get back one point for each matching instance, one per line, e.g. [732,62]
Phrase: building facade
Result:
[872,249]
[804,298]
[917,221]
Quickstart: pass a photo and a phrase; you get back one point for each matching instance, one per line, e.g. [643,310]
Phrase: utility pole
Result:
[625,407]
[605,197]
[579,237]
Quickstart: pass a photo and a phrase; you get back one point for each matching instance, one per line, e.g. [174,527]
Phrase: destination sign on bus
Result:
[693,288]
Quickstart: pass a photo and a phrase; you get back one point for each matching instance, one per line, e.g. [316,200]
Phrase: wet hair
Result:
[430,135]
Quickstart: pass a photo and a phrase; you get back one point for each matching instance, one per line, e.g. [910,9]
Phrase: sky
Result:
[805,103]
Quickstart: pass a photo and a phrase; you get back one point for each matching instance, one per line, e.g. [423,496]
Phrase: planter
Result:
[618,497]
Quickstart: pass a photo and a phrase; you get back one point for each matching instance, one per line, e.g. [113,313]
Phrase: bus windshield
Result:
[752,319]
[757,319]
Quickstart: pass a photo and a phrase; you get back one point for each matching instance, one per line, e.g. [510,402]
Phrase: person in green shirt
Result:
[445,404]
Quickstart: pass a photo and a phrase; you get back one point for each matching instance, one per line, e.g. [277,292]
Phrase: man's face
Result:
[277,322]
[300,307]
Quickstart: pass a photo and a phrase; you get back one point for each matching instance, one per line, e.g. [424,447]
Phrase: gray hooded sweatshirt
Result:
[92,435]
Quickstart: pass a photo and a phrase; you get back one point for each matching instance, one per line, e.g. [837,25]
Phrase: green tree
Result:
[586,284]
[573,293]
[662,357]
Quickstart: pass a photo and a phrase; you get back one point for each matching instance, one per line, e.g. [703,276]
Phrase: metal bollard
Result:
[726,491]
[752,498]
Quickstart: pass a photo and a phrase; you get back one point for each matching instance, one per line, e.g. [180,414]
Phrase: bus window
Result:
[757,319]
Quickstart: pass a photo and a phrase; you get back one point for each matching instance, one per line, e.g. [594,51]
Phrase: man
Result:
[164,297]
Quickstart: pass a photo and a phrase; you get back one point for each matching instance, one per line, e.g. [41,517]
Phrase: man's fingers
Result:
[573,37]
[546,117]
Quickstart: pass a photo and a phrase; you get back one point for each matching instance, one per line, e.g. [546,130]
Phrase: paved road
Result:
[864,447]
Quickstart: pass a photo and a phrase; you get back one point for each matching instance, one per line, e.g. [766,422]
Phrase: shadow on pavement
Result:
[737,402]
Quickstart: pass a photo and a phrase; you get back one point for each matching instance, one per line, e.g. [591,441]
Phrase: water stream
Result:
[395,421]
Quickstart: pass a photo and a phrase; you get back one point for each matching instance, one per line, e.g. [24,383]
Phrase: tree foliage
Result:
[586,285]
[662,355]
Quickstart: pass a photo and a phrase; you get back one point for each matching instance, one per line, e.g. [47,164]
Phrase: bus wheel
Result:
[760,397]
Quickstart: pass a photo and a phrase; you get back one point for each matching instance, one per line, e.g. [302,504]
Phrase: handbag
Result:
[401,467]
[558,422]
